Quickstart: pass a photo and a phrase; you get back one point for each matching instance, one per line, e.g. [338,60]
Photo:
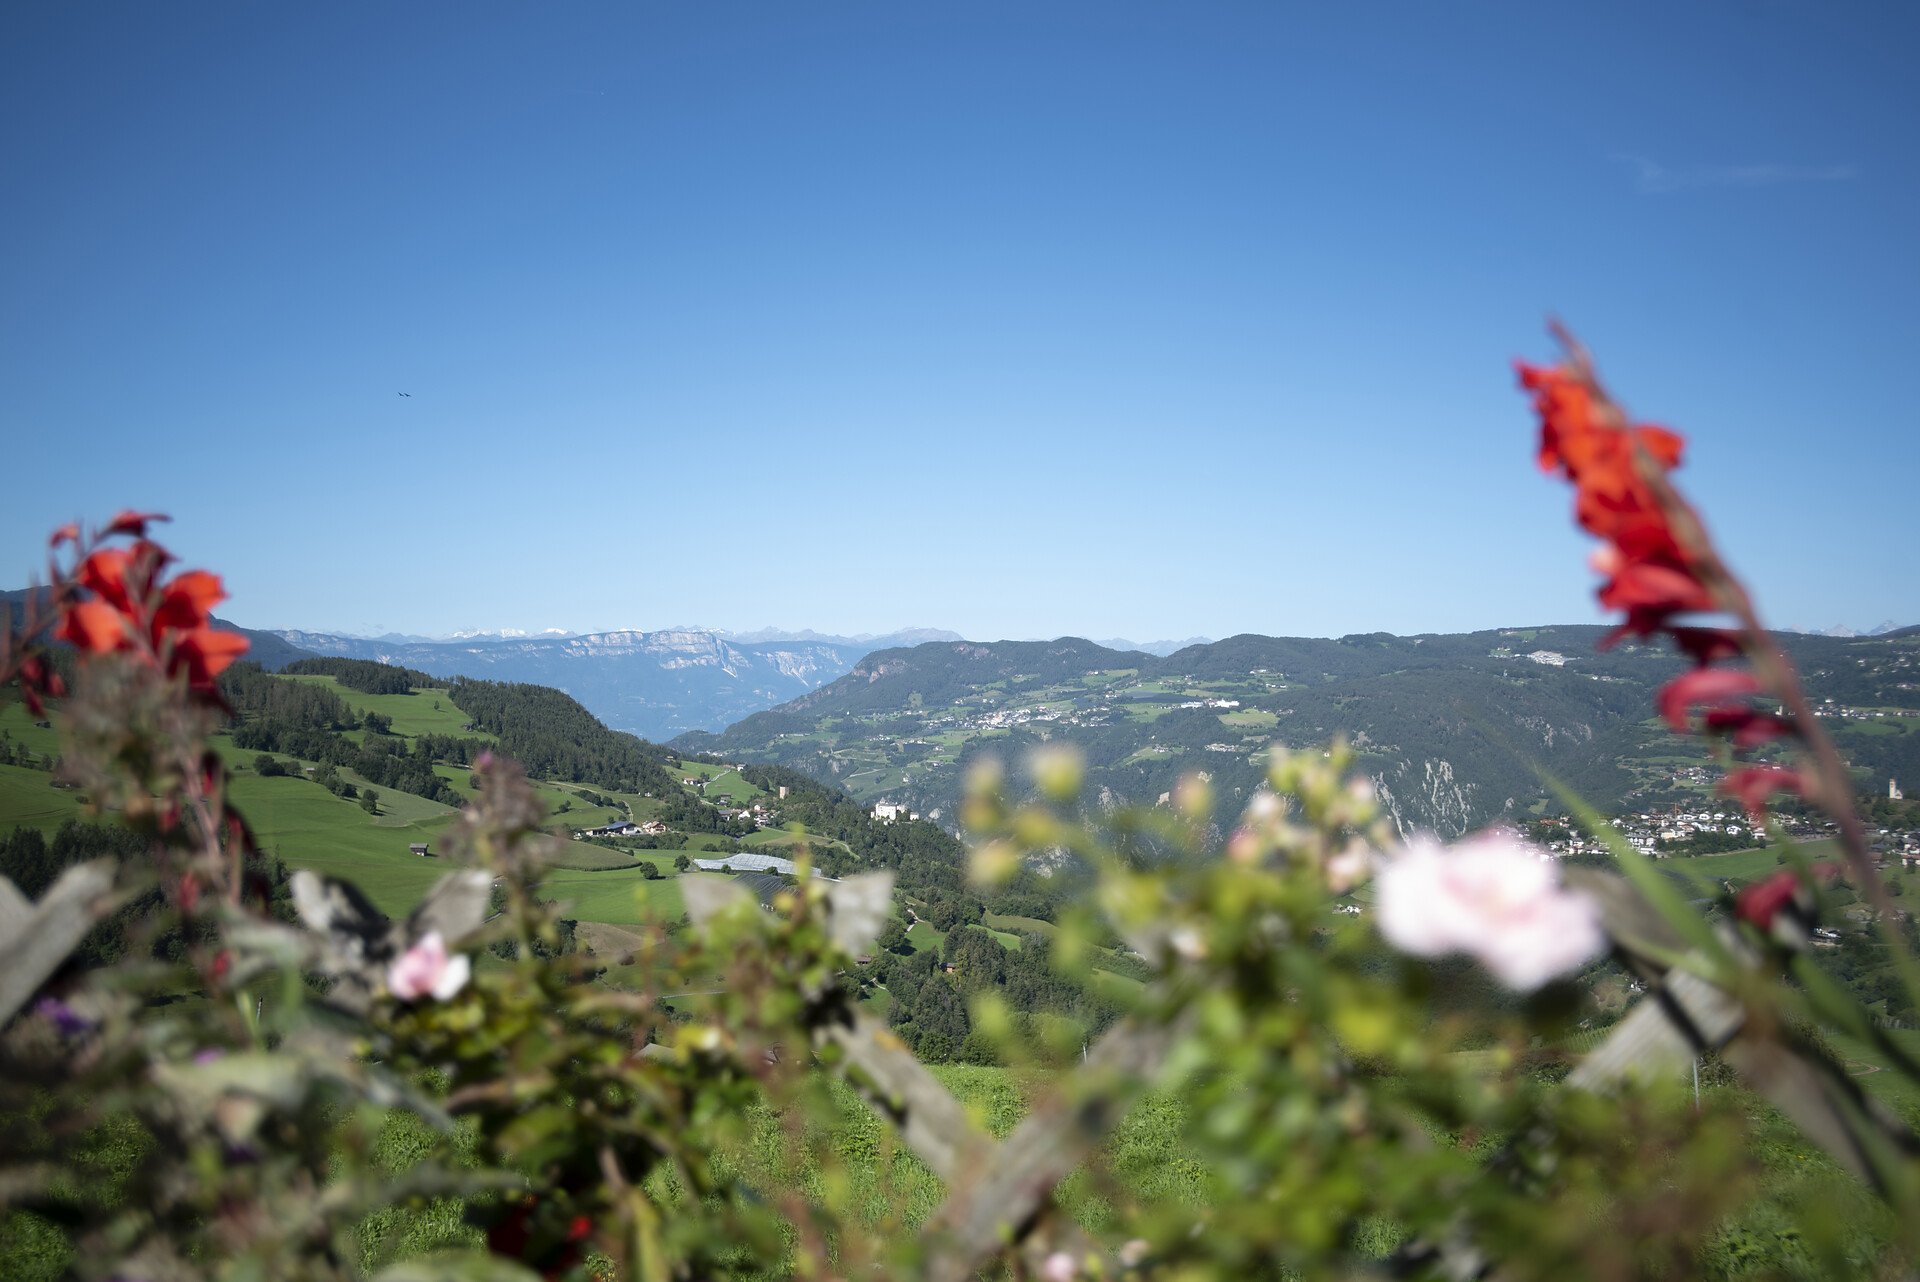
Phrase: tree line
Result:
[365,675]
[553,737]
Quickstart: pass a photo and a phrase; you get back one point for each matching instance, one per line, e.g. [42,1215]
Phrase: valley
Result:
[1455,730]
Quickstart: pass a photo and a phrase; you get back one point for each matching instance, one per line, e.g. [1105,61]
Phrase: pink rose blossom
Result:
[1493,897]
[1059,1267]
[426,969]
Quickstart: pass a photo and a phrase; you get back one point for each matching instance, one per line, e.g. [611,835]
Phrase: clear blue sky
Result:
[1148,320]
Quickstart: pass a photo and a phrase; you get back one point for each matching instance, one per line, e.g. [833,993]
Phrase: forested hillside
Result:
[654,684]
[1454,729]
[553,737]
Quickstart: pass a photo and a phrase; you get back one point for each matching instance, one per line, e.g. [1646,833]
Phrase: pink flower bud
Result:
[426,970]
[1494,898]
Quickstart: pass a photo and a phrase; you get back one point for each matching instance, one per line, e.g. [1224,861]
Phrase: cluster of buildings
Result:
[1646,831]
[624,828]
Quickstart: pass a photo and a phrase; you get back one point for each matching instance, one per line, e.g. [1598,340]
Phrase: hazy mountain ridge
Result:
[1451,728]
[653,684]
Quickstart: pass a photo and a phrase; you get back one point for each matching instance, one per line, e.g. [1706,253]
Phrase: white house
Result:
[753,863]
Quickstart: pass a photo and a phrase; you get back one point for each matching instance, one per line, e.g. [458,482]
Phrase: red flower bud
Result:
[1752,785]
[134,523]
[1702,685]
[1762,901]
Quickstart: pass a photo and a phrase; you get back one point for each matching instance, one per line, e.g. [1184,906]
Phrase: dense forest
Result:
[553,737]
[33,862]
[365,675]
[308,721]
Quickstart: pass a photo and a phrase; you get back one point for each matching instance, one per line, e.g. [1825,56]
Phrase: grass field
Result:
[620,898]
[18,725]
[311,828]
[1743,865]
[29,799]
[581,856]
[1889,1088]
[721,779]
[413,714]
[1000,924]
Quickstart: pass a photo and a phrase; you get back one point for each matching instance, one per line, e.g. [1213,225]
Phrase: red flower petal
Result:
[1664,446]
[1644,587]
[1705,645]
[1762,901]
[1702,685]
[189,599]
[205,653]
[134,523]
[69,533]
[94,626]
[1752,785]
[105,575]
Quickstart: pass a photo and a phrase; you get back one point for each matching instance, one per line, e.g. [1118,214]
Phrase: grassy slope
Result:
[29,799]
[18,724]
[413,714]
[310,828]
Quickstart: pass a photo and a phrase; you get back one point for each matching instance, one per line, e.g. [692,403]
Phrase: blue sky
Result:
[1021,320]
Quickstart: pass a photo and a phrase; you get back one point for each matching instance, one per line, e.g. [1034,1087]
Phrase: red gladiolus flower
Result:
[1647,570]
[132,611]
[1707,645]
[37,679]
[205,653]
[1748,728]
[1702,685]
[94,626]
[1762,901]
[1752,785]
[134,523]
[188,601]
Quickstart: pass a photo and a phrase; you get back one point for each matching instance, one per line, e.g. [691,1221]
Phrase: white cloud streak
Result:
[1654,178]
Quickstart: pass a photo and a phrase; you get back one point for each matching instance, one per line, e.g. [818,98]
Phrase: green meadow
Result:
[425,711]
[309,827]
[29,799]
[18,726]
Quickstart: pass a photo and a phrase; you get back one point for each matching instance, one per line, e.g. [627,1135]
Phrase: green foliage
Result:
[553,737]
[364,675]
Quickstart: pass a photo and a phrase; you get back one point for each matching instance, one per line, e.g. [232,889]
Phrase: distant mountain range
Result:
[1453,729]
[1159,649]
[653,684]
[1842,630]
